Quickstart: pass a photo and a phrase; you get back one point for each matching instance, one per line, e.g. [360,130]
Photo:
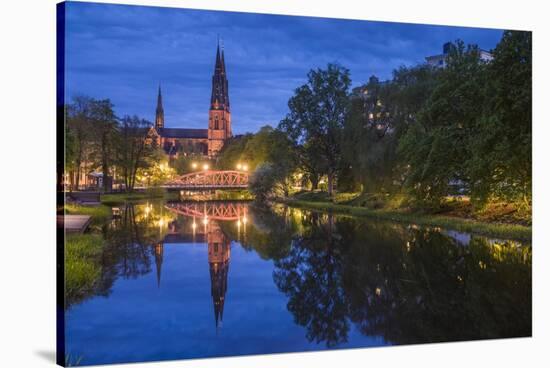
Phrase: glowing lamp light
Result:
[205,167]
[244,219]
[205,221]
[239,166]
[194,165]
[194,226]
[245,167]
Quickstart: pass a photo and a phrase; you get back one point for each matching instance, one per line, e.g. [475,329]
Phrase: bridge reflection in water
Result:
[205,227]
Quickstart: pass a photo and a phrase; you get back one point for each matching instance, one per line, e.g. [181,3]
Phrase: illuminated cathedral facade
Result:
[206,142]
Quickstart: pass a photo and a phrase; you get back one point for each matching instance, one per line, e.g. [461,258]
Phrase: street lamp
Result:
[245,167]
[239,166]
[194,165]
[205,167]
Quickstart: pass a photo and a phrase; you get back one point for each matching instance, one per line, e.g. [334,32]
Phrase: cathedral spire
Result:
[159,116]
[218,66]
[220,95]
[223,60]
[159,251]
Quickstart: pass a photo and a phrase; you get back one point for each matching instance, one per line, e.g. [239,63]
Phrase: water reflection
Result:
[340,278]
[407,284]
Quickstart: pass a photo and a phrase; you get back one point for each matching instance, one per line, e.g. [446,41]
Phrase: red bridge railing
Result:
[210,179]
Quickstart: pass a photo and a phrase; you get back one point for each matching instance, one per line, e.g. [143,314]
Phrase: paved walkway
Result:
[75,223]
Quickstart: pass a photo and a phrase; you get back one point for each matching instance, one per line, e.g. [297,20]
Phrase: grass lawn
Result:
[82,266]
[119,198]
[353,204]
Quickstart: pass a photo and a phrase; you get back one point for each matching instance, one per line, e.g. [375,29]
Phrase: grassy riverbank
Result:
[82,266]
[113,199]
[99,213]
[344,204]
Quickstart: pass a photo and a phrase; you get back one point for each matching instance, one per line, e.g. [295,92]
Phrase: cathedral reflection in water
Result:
[205,228]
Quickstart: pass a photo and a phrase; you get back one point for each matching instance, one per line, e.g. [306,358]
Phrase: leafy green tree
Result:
[436,146]
[79,136]
[264,181]
[233,152]
[184,163]
[502,157]
[104,136]
[157,171]
[134,148]
[316,119]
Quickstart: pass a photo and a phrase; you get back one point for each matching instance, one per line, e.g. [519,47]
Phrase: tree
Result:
[184,163]
[233,151]
[370,142]
[78,136]
[134,148]
[157,171]
[264,181]
[502,158]
[104,130]
[436,145]
[317,114]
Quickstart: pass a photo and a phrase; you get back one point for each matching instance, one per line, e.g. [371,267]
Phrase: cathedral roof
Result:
[183,133]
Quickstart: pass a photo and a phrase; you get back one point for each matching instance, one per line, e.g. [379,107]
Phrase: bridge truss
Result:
[210,179]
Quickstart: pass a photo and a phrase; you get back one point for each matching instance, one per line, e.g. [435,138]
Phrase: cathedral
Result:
[206,142]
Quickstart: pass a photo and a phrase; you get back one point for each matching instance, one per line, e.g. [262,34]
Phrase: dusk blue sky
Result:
[122,52]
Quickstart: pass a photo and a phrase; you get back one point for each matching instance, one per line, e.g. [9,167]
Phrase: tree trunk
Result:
[104,163]
[330,183]
[314,182]
[77,174]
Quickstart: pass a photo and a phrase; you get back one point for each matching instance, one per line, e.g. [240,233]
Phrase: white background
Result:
[27,182]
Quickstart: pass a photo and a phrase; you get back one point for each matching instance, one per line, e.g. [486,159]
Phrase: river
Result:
[191,280]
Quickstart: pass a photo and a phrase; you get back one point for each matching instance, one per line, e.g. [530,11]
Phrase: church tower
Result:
[219,116]
[159,116]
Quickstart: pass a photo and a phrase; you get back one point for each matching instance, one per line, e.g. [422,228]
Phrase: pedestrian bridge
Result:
[210,179]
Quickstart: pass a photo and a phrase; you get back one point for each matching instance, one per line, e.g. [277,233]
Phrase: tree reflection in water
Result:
[129,249]
[311,276]
[405,284]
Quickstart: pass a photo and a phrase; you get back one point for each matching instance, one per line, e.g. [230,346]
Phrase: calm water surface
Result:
[184,280]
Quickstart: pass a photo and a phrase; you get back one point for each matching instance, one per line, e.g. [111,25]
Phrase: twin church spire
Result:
[220,94]
[210,140]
